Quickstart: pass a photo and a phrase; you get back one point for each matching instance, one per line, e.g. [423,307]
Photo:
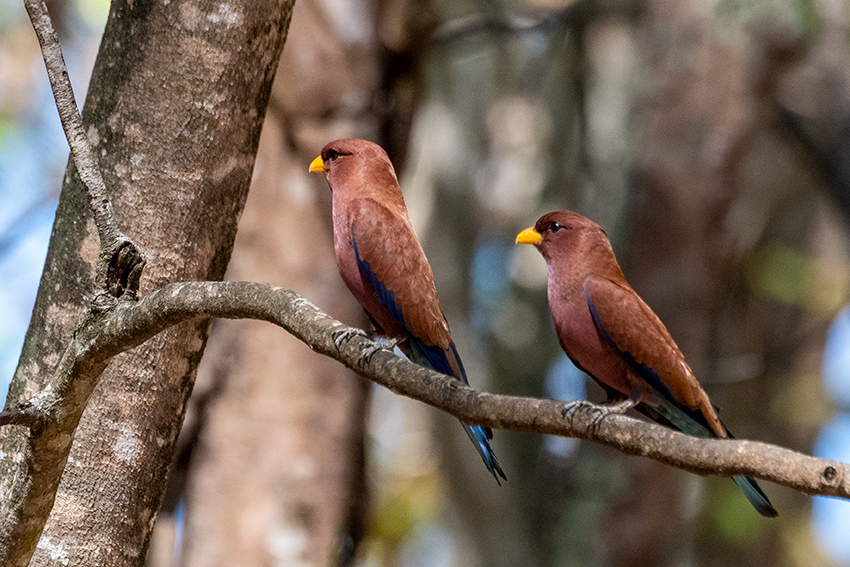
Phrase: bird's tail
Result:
[756,497]
[480,437]
[693,423]
[447,361]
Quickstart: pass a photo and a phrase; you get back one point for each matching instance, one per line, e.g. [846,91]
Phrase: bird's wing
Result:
[639,335]
[642,339]
[392,263]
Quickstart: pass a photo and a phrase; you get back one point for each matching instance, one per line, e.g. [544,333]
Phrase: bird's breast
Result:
[582,341]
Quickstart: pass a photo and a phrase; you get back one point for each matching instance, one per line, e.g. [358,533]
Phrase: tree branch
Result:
[720,457]
[121,261]
[103,335]
[131,324]
[26,415]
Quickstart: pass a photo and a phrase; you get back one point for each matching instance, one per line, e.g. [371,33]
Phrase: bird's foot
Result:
[367,351]
[343,335]
[617,408]
[378,344]
[600,412]
[603,411]
[569,410]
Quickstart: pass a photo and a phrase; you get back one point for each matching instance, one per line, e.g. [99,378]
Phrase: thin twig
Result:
[72,123]
[112,240]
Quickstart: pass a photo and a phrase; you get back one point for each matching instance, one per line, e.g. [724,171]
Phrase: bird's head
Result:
[350,164]
[562,234]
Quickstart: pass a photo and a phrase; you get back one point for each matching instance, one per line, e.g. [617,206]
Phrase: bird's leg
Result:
[601,411]
[625,405]
[379,341]
[622,407]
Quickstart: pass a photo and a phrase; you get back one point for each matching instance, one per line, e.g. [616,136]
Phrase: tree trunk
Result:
[279,459]
[175,108]
[276,473]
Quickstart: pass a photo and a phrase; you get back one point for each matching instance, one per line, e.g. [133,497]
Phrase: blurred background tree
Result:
[710,141]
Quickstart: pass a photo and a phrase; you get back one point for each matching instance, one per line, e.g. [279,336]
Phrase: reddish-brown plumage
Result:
[383,264]
[369,209]
[583,272]
[608,331]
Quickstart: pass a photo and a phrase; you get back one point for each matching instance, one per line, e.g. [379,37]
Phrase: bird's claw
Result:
[343,335]
[600,412]
[369,350]
[569,410]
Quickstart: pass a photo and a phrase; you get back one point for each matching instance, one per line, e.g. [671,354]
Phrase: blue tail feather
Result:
[677,417]
[437,359]
[479,436]
[755,495]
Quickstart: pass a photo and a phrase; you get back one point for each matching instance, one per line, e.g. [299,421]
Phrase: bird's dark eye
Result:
[332,155]
[555,226]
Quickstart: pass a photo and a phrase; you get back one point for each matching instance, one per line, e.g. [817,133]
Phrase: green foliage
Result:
[732,518]
[782,273]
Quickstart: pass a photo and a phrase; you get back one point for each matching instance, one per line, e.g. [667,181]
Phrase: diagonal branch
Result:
[72,124]
[121,261]
[131,324]
[53,414]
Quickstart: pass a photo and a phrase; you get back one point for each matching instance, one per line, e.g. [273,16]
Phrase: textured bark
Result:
[176,104]
[277,469]
[277,472]
[132,324]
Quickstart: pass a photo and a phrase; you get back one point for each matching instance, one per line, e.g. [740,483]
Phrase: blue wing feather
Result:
[385,295]
[434,357]
[683,418]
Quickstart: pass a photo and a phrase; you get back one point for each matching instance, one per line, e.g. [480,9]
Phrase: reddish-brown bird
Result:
[383,264]
[608,331]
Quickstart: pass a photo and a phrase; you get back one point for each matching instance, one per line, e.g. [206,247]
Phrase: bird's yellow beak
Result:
[317,165]
[529,236]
